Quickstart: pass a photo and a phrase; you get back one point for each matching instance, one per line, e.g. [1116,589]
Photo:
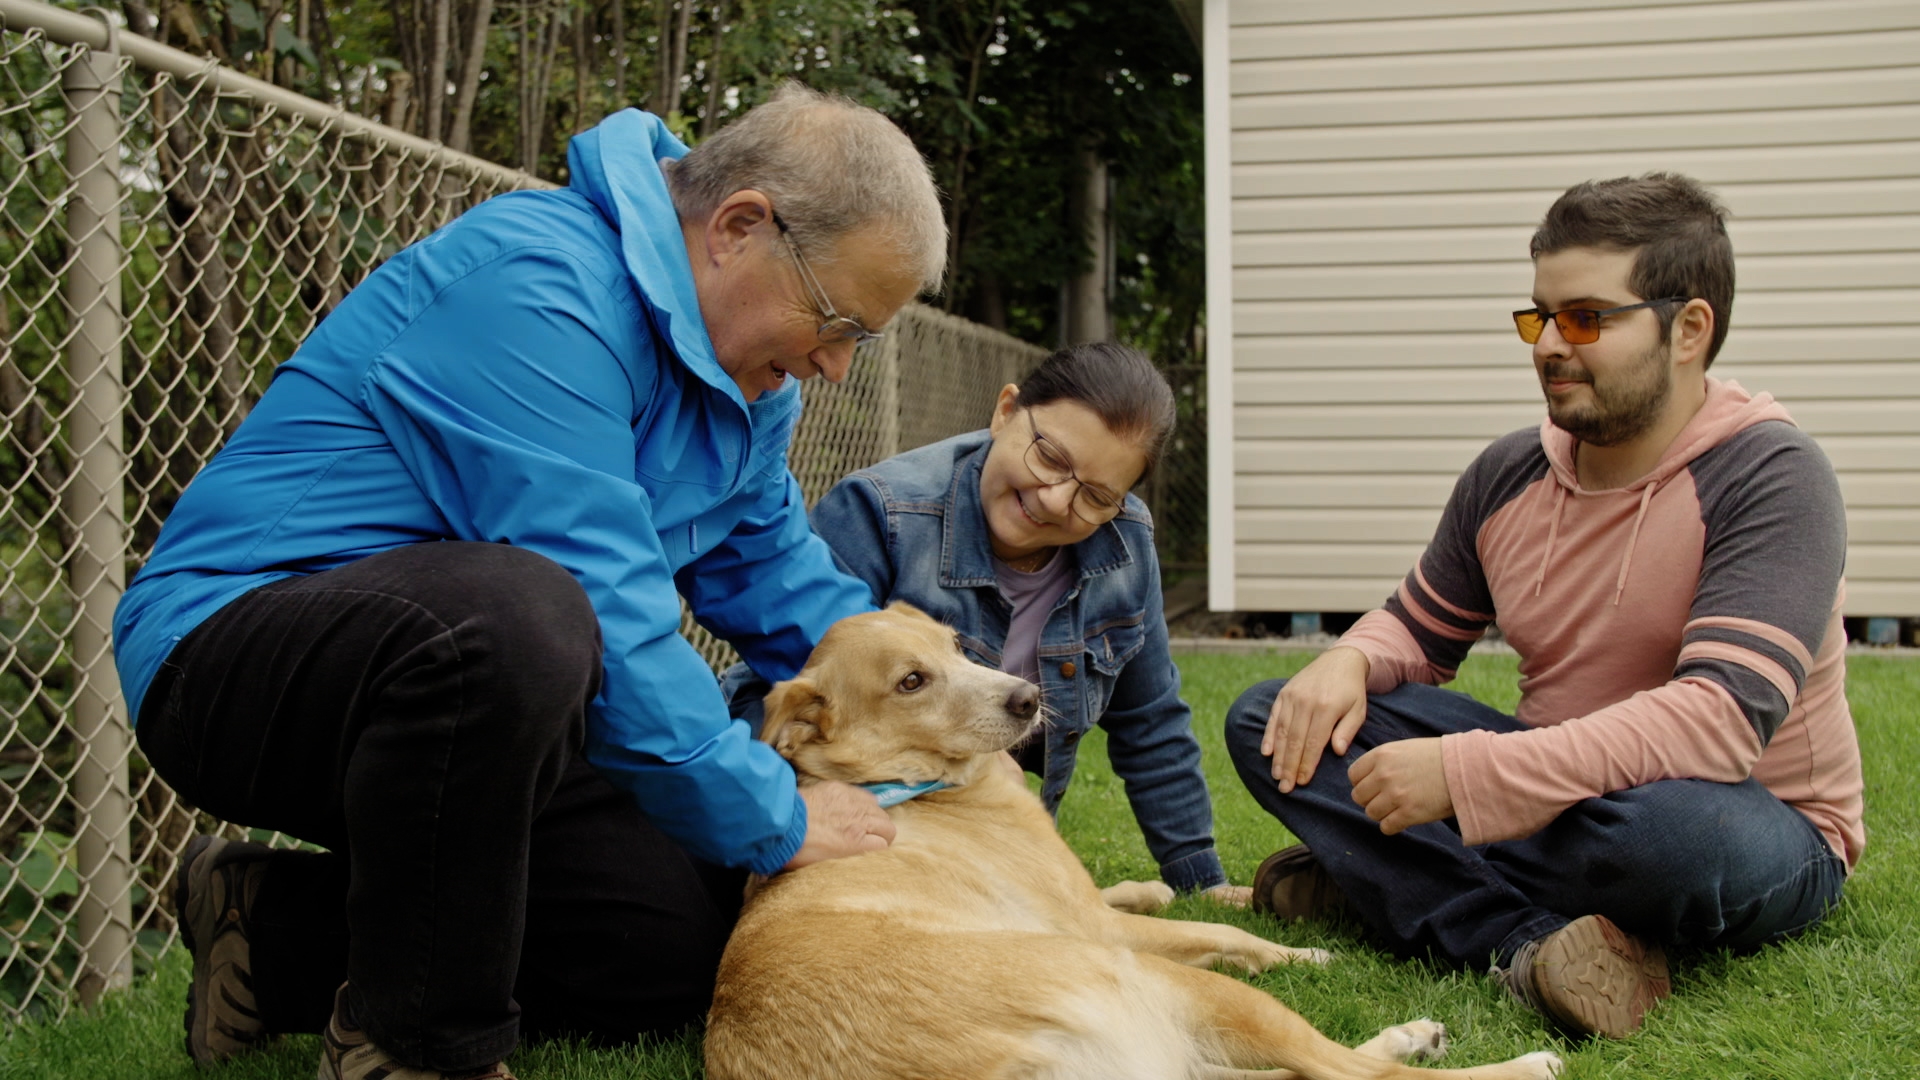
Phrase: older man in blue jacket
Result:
[422,610]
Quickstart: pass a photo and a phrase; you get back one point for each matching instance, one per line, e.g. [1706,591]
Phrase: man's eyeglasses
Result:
[837,327]
[1579,326]
[1049,466]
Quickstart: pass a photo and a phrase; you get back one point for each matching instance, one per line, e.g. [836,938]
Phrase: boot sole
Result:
[1598,979]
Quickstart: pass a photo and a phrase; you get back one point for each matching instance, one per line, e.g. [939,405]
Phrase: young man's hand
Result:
[1402,784]
[1325,703]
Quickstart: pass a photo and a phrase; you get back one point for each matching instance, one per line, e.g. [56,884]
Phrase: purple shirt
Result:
[1032,597]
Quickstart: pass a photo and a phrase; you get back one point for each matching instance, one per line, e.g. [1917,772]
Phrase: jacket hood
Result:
[616,166]
[1727,410]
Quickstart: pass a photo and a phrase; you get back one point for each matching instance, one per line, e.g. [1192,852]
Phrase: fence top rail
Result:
[69,28]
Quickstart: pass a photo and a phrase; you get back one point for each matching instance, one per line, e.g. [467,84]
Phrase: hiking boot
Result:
[349,1055]
[213,899]
[1590,976]
[1291,884]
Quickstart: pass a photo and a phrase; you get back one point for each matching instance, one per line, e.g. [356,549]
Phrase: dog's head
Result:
[889,696]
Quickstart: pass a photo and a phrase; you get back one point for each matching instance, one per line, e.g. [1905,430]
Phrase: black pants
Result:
[420,713]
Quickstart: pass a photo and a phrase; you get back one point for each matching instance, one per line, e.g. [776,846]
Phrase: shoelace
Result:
[1517,977]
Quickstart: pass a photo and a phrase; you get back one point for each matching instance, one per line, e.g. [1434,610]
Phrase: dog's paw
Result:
[1415,1040]
[1545,1064]
[1267,954]
[1138,897]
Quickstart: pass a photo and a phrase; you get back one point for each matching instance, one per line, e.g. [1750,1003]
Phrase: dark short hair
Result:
[1117,382]
[1675,226]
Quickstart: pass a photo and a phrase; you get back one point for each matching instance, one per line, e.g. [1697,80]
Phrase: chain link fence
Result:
[172,230]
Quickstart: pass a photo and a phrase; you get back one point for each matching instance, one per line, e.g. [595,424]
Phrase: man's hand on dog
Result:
[1325,703]
[842,820]
[1402,784]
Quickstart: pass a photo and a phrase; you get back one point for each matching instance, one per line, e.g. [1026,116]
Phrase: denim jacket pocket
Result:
[1109,647]
[979,651]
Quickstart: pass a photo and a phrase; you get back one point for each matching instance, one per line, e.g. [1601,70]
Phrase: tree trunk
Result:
[663,57]
[461,136]
[433,89]
[716,68]
[619,44]
[582,66]
[201,213]
[1086,314]
[539,41]
[956,203]
[989,301]
[406,20]
[679,67]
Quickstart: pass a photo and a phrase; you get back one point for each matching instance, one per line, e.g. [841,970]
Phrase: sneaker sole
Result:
[1598,979]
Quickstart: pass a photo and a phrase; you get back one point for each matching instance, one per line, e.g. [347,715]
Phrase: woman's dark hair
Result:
[1117,382]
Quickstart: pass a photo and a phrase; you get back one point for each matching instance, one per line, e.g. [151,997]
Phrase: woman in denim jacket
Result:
[1023,539]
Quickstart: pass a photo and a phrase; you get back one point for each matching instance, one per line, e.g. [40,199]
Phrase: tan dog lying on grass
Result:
[977,945]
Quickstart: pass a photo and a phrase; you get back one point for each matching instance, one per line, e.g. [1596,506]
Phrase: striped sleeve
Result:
[1444,605]
[1776,546]
[1770,574]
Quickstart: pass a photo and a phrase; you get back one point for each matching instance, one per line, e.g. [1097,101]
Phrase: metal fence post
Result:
[93,503]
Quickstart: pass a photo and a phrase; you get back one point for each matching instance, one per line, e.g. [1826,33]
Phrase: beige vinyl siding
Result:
[1390,159]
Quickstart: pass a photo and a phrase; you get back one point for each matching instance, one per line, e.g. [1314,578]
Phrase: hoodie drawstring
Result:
[1553,533]
[1620,585]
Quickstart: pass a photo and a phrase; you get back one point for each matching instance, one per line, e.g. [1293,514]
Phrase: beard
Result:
[1620,407]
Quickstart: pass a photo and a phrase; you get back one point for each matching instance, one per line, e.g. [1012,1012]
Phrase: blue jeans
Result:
[1677,861]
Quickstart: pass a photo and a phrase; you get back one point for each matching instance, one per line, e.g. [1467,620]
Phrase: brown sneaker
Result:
[1291,884]
[349,1055]
[1590,976]
[218,880]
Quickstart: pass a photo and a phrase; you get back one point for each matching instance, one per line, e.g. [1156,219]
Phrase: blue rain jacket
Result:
[537,374]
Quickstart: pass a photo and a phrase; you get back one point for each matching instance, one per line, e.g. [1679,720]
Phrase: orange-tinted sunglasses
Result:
[1579,326]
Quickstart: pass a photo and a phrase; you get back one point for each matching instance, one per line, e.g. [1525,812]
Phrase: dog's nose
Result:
[1024,701]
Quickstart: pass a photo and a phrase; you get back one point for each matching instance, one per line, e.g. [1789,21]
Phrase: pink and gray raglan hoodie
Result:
[1686,625]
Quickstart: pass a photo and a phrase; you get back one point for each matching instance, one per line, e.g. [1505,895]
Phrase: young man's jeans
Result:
[420,713]
[1677,861]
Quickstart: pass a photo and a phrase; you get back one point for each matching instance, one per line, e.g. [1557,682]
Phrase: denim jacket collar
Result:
[966,548]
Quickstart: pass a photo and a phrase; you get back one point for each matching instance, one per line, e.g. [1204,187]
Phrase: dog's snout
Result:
[1024,701]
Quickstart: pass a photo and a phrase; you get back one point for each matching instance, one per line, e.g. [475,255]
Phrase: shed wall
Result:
[1390,159]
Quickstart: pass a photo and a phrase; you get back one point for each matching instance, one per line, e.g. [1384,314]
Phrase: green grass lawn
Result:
[1842,1001]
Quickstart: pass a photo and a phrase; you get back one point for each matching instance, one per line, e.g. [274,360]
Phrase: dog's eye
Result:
[914,681]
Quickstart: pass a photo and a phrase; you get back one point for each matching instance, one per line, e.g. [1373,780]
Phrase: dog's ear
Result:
[797,714]
[905,608]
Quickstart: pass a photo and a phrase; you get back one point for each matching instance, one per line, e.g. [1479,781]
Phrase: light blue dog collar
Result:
[894,792]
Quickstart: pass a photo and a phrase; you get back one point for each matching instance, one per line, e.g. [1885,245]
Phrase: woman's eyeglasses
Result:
[1049,466]
[1579,326]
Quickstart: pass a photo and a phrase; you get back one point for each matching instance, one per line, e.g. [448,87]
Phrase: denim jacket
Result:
[912,528]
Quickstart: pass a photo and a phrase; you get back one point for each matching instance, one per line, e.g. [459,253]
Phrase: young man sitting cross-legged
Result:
[1665,555]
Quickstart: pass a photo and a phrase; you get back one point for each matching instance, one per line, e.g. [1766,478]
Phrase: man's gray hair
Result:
[831,167]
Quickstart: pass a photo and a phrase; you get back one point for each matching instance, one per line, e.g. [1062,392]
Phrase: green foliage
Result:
[1000,95]
[33,926]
